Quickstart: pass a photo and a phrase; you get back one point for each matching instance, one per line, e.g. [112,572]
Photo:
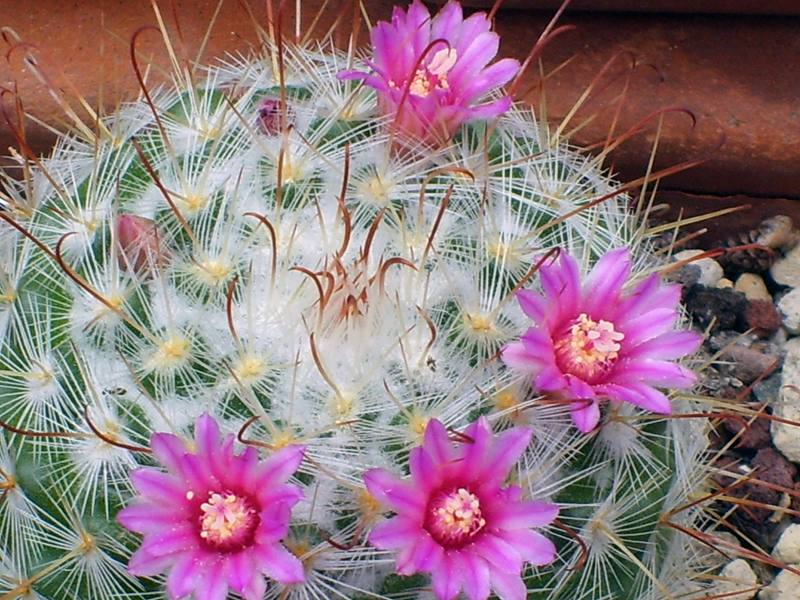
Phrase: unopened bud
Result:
[270,116]
[140,243]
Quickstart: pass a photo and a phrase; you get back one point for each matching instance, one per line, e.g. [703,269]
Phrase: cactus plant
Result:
[272,253]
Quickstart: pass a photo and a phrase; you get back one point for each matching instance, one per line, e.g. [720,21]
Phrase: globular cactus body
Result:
[277,252]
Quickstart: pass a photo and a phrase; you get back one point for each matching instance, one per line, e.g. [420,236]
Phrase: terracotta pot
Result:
[742,7]
[738,77]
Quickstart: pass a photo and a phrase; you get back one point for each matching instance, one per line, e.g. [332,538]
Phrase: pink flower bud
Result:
[140,243]
[270,115]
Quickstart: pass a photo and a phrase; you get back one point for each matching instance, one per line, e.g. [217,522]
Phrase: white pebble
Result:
[710,270]
[752,286]
[789,307]
[786,269]
[786,586]
[737,575]
[787,437]
[724,284]
[787,550]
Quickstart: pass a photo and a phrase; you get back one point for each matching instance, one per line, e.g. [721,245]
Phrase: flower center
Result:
[228,522]
[434,76]
[454,518]
[589,349]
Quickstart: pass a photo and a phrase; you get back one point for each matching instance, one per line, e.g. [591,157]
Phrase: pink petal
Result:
[653,372]
[243,576]
[475,572]
[585,415]
[278,563]
[399,496]
[491,78]
[532,546]
[143,564]
[436,442]
[551,379]
[475,57]
[395,533]
[506,450]
[159,486]
[539,344]
[169,450]
[206,436]
[650,295]
[383,46]
[604,283]
[672,345]
[447,22]
[212,584]
[243,470]
[487,112]
[181,537]
[418,23]
[651,324]
[285,493]
[578,389]
[561,284]
[470,29]
[533,305]
[476,452]
[186,573]
[648,398]
[425,473]
[446,578]
[274,526]
[280,466]
[198,475]
[426,555]
[508,585]
[149,518]
[497,552]
[517,356]
[523,515]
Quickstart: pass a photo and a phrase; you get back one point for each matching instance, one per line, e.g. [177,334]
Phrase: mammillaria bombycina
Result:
[257,241]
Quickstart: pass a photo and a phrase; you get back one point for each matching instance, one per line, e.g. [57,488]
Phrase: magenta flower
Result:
[215,519]
[594,342]
[430,73]
[455,520]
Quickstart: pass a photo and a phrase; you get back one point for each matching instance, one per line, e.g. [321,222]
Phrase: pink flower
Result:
[430,73]
[593,341]
[455,520]
[215,519]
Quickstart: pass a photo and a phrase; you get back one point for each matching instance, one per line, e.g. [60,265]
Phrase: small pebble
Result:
[789,306]
[786,437]
[767,390]
[778,232]
[752,286]
[724,284]
[736,575]
[786,586]
[748,364]
[763,317]
[786,270]
[787,550]
[722,309]
[710,270]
